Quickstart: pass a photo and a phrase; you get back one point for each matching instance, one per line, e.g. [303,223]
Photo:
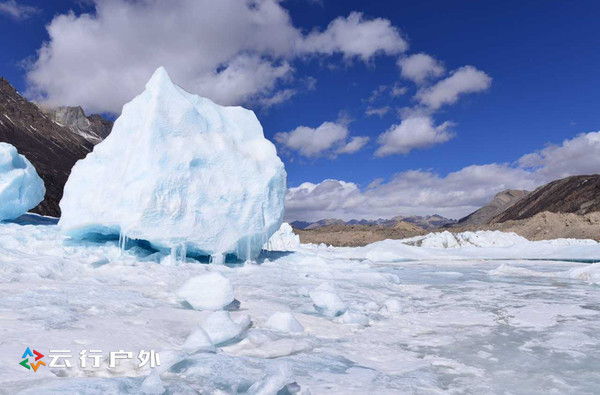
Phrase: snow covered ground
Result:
[323,320]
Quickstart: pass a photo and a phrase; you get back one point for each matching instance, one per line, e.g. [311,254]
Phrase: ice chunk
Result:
[392,305]
[21,188]
[152,385]
[210,291]
[354,317]
[284,322]
[327,301]
[221,328]
[283,240]
[179,171]
[198,341]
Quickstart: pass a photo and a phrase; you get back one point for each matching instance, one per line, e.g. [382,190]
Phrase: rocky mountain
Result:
[52,142]
[425,222]
[93,128]
[502,201]
[325,222]
[577,194]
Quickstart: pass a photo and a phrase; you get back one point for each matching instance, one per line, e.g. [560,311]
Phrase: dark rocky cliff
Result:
[51,146]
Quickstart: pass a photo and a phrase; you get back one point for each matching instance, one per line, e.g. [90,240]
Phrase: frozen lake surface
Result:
[430,326]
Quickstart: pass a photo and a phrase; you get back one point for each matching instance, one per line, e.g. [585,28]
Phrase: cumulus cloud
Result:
[580,155]
[354,145]
[421,192]
[412,133]
[420,67]
[232,51]
[330,138]
[16,10]
[466,79]
[356,36]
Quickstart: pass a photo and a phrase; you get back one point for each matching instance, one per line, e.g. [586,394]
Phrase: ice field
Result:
[316,320]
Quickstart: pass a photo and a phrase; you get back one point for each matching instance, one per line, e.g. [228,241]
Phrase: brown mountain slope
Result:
[576,194]
[357,235]
[547,225]
[500,203]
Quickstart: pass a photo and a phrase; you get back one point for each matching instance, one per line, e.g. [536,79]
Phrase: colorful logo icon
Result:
[35,354]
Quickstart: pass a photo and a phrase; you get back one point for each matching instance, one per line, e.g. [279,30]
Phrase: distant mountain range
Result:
[426,222]
[52,139]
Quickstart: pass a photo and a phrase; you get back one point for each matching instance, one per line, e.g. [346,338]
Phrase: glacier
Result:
[181,173]
[497,315]
[21,188]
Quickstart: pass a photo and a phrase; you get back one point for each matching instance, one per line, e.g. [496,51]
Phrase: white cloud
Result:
[327,139]
[420,192]
[233,51]
[379,111]
[356,36]
[412,133]
[580,155]
[377,92]
[17,11]
[397,90]
[466,79]
[354,145]
[420,67]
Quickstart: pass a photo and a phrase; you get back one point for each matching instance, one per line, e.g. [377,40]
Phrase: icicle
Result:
[217,259]
[178,254]
[122,242]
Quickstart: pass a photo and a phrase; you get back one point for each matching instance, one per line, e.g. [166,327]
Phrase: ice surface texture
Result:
[21,188]
[179,171]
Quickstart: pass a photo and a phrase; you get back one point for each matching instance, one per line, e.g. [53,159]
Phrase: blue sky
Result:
[537,65]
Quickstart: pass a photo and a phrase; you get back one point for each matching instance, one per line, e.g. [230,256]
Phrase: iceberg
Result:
[21,188]
[180,172]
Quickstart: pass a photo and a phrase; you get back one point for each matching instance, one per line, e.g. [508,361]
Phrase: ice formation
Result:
[180,172]
[221,328]
[21,188]
[198,341]
[327,301]
[483,238]
[473,245]
[284,322]
[283,240]
[210,291]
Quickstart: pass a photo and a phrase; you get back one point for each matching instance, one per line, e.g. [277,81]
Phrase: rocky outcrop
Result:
[51,146]
[502,201]
[577,194]
[93,128]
